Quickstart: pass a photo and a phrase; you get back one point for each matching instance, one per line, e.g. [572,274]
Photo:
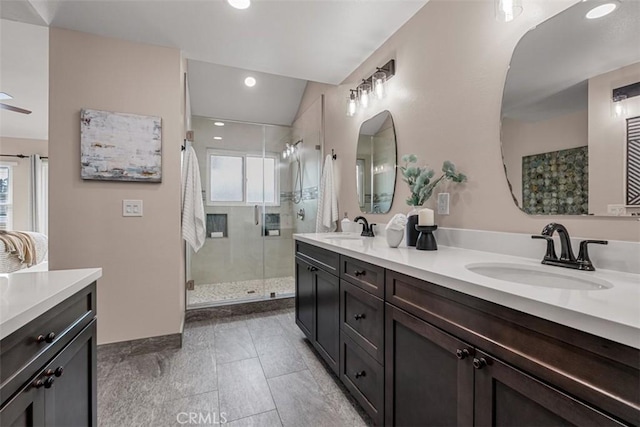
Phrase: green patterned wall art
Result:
[556,183]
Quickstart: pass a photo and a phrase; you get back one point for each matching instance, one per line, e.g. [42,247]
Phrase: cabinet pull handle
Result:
[49,382]
[359,316]
[48,338]
[479,363]
[59,371]
[360,374]
[359,273]
[312,268]
[462,353]
[37,383]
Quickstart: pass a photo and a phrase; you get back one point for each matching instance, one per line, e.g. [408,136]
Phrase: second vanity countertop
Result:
[25,296]
[609,313]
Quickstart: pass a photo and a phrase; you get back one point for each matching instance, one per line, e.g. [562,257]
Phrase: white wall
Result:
[608,139]
[141,292]
[451,61]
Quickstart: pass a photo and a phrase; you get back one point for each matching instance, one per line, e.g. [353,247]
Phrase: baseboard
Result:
[143,345]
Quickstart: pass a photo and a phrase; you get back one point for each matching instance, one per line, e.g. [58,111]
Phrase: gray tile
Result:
[154,344]
[266,419]
[347,408]
[128,416]
[278,356]
[113,353]
[264,326]
[243,389]
[199,409]
[300,401]
[328,382]
[199,335]
[234,344]
[192,372]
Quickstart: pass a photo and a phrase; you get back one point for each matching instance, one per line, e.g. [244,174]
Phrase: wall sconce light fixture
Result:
[508,10]
[619,97]
[374,85]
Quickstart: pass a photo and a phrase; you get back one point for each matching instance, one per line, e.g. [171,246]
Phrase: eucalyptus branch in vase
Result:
[419,178]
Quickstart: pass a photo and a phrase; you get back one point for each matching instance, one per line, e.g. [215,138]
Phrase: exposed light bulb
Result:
[364,92]
[352,104]
[508,10]
[250,82]
[379,78]
[602,10]
[239,4]
[619,109]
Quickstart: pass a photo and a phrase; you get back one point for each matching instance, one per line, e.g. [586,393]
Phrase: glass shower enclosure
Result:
[253,182]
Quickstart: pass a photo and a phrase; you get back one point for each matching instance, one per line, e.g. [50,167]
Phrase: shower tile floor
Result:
[208,293]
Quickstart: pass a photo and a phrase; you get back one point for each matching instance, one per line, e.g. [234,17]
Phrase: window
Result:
[242,179]
[6,197]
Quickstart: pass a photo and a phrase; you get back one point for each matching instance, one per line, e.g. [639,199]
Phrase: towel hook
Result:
[333,154]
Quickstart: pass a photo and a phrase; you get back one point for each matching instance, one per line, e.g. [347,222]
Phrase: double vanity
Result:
[464,337]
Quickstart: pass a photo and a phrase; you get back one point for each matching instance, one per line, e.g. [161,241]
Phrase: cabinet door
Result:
[327,317]
[71,399]
[426,382]
[305,298]
[25,409]
[505,396]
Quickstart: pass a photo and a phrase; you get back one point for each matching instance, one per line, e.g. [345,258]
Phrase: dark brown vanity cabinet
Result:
[318,300]
[53,376]
[435,379]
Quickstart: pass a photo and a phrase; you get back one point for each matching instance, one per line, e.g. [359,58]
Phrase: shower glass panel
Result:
[250,218]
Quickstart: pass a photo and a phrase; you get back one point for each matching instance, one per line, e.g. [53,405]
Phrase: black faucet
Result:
[567,258]
[367,230]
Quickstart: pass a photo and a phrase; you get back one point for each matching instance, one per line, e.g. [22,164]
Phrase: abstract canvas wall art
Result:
[120,147]
[556,183]
[633,161]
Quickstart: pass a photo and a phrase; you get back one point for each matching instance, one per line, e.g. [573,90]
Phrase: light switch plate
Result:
[443,203]
[132,208]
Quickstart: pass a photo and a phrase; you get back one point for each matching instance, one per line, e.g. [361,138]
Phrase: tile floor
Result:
[254,370]
[207,293]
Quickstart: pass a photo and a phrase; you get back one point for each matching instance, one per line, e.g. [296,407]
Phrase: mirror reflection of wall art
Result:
[120,147]
[556,183]
[633,161]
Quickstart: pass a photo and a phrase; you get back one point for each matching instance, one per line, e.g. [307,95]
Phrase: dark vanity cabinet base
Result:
[414,353]
[58,379]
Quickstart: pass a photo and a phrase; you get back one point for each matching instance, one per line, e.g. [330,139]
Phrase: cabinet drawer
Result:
[321,258]
[362,274]
[362,319]
[39,340]
[363,376]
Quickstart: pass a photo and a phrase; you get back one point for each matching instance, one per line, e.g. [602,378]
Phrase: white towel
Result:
[327,200]
[194,229]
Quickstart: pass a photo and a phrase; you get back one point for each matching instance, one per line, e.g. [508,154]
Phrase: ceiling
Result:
[24,74]
[551,64]
[285,43]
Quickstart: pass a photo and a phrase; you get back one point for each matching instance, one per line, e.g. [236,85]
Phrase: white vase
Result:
[394,237]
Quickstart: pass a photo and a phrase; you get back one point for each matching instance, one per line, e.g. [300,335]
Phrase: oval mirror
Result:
[564,139]
[376,164]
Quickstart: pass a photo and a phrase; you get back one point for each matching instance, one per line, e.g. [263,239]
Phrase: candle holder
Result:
[426,239]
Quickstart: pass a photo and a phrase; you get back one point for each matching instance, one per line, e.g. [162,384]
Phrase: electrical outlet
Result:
[616,210]
[443,203]
[132,208]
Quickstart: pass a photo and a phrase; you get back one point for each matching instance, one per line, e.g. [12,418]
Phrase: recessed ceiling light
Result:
[250,82]
[602,10]
[4,95]
[239,4]
[217,138]
[218,123]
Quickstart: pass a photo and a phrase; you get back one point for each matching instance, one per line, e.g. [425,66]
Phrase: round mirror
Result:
[376,164]
[565,134]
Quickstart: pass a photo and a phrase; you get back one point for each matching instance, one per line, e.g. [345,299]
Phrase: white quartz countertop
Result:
[25,296]
[609,313]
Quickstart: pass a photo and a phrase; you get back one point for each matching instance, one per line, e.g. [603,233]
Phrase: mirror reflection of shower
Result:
[291,152]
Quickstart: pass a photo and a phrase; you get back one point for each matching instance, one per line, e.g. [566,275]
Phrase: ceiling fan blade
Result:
[12,108]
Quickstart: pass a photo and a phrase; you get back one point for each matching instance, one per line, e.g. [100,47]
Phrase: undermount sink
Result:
[539,276]
[343,237]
